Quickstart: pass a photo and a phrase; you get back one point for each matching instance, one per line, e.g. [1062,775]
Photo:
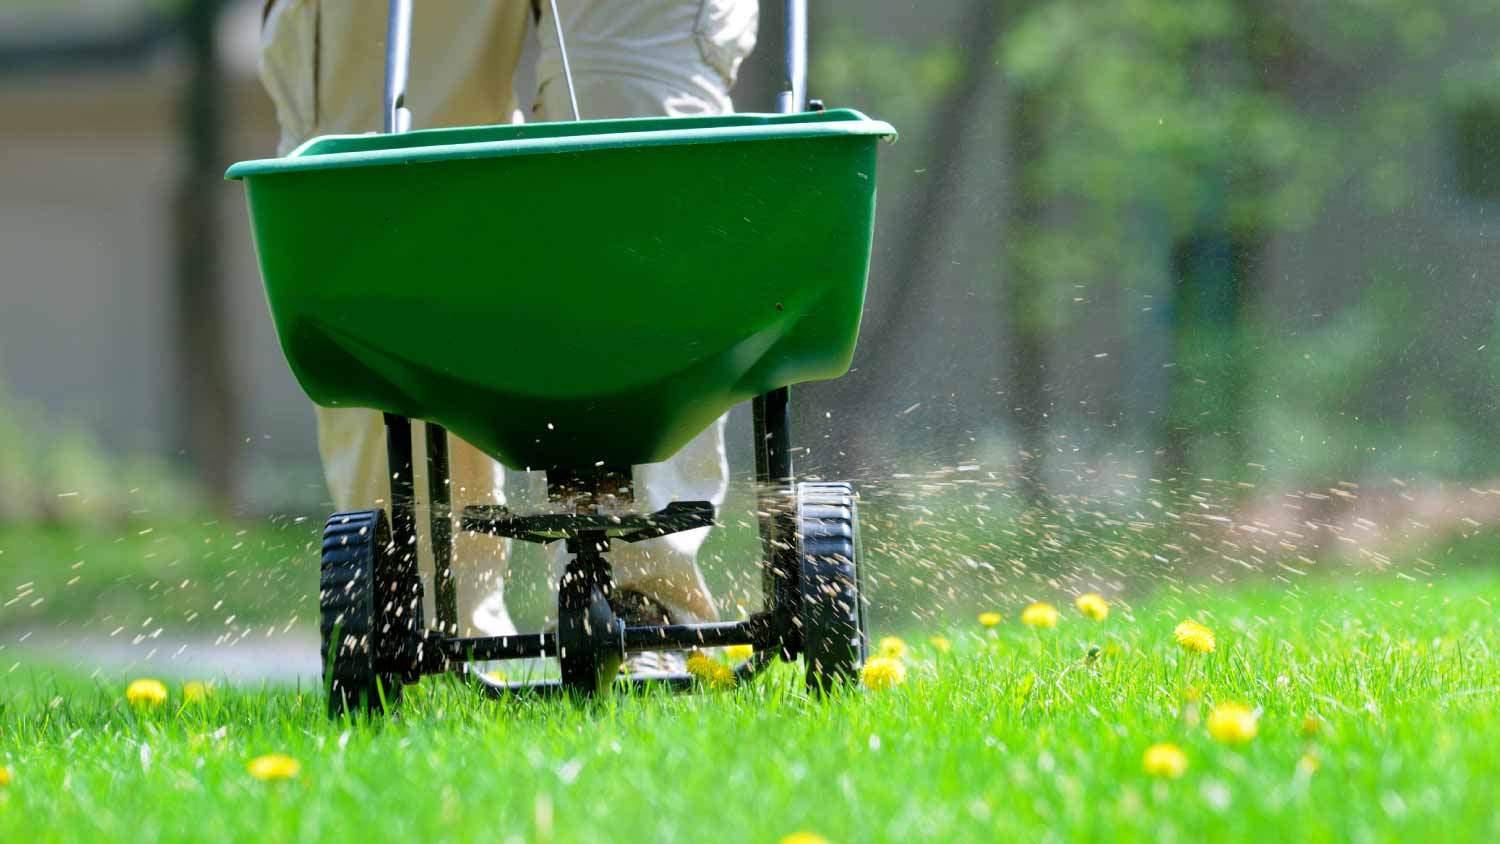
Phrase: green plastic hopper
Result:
[566,295]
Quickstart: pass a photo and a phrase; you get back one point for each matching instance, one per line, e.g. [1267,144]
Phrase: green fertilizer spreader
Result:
[575,298]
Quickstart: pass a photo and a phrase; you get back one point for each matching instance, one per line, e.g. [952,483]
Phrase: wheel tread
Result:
[355,551]
[833,636]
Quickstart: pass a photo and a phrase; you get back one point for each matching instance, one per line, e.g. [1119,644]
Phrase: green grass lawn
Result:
[1377,701]
[178,574]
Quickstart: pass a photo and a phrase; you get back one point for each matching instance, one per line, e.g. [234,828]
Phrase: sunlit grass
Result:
[1374,705]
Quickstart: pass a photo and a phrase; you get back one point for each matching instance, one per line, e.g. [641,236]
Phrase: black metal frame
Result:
[591,640]
[586,623]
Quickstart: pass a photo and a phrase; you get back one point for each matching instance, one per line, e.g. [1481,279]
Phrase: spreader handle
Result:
[397,60]
[793,95]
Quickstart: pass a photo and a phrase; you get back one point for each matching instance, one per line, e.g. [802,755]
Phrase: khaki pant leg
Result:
[645,59]
[323,63]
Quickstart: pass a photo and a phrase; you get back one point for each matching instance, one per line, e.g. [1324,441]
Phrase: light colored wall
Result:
[86,184]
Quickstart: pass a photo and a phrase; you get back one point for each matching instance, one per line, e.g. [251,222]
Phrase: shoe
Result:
[639,610]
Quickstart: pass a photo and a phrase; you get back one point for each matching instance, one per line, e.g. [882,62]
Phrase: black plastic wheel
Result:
[834,643]
[370,614]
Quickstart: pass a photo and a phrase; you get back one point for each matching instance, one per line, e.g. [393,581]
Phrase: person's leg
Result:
[323,63]
[643,59]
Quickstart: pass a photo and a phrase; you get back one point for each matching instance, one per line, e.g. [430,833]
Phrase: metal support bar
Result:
[676,517]
[794,70]
[440,518]
[519,646]
[773,475]
[403,491]
[397,118]
[683,636]
[777,409]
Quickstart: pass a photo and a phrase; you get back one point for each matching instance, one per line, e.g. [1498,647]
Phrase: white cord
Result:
[562,47]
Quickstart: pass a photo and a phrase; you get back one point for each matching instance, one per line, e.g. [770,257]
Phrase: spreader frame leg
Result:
[440,517]
[401,465]
[403,488]
[772,418]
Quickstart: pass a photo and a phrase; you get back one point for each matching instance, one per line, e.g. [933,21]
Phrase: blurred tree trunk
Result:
[1214,272]
[207,415]
[1025,301]
[908,273]
[1207,415]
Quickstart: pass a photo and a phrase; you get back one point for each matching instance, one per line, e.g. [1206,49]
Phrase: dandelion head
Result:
[700,665]
[940,644]
[1164,760]
[721,677]
[892,647]
[882,672]
[274,766]
[709,671]
[1040,614]
[803,838]
[740,653]
[498,676]
[1194,637]
[1308,764]
[146,693]
[1232,723]
[4,775]
[195,691]
[1092,605]
[989,619]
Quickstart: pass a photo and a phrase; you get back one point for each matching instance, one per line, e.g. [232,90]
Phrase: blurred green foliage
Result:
[1258,134]
[59,472]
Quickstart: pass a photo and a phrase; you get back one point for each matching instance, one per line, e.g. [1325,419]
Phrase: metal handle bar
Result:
[793,95]
[397,60]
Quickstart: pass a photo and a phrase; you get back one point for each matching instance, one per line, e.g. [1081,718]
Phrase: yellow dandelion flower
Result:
[274,766]
[195,691]
[892,647]
[1164,760]
[498,676]
[1308,764]
[709,671]
[4,775]
[722,677]
[1232,723]
[700,665]
[146,693]
[1040,614]
[940,644]
[740,653]
[1310,726]
[1194,637]
[1092,605]
[989,619]
[803,838]
[882,672]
